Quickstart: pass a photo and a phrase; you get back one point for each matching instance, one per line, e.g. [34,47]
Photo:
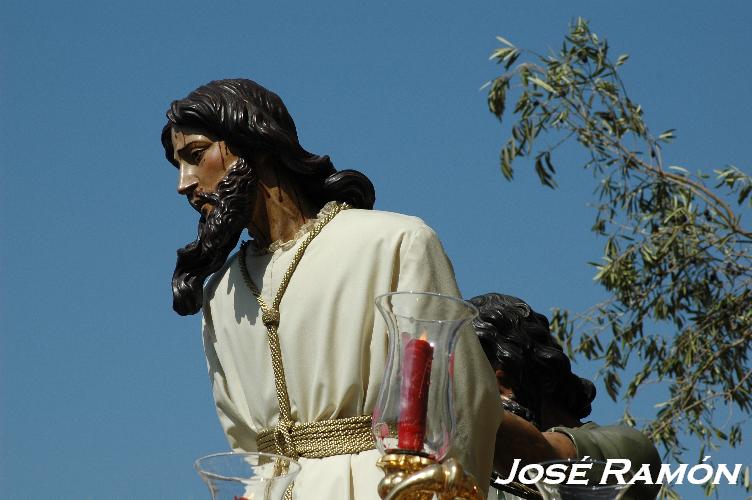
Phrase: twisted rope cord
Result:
[284,443]
[294,439]
[325,438]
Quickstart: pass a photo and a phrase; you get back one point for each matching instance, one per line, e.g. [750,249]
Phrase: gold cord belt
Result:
[327,438]
[293,439]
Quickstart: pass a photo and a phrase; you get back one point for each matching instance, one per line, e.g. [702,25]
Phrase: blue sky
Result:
[103,389]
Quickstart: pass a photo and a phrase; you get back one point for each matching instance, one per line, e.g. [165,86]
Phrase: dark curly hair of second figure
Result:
[519,345]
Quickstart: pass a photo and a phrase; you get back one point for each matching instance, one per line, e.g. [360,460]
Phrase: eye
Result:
[196,154]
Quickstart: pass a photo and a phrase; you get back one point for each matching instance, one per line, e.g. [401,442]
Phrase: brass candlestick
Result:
[413,477]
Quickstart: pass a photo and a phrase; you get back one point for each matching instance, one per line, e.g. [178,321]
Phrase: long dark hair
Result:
[250,119]
[518,340]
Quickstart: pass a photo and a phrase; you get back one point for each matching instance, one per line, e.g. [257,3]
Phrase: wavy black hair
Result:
[251,120]
[518,340]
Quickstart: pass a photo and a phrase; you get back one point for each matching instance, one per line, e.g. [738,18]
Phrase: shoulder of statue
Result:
[212,283]
[380,222]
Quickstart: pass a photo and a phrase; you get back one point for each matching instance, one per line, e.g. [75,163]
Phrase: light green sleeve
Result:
[617,441]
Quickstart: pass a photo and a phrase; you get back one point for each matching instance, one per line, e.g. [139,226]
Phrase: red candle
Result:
[416,376]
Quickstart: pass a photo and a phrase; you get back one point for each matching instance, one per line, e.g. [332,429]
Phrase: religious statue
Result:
[544,401]
[294,349]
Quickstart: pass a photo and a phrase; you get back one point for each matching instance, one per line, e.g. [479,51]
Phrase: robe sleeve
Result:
[424,266]
[239,435]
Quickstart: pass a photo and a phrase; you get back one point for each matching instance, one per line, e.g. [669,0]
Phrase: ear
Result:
[504,383]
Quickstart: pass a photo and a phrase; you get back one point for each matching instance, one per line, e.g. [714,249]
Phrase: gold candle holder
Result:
[413,419]
[414,477]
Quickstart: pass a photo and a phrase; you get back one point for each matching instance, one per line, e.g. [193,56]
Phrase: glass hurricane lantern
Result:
[247,476]
[413,420]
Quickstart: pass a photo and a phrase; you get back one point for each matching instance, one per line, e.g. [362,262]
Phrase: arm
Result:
[239,435]
[518,438]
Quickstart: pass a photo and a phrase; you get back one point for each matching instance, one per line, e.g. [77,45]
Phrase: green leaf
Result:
[497,96]
[679,169]
[743,193]
[543,171]
[506,161]
[511,58]
[667,135]
[501,54]
[542,84]
[504,41]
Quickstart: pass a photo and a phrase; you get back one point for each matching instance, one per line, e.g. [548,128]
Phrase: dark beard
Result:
[217,236]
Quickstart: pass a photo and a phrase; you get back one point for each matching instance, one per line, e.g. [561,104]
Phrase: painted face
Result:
[203,162]
[505,384]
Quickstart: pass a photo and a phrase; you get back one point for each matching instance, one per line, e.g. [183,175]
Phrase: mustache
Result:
[197,200]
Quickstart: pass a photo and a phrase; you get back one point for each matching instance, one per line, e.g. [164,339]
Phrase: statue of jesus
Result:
[295,352]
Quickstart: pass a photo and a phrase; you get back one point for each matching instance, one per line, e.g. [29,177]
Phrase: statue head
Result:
[224,130]
[529,363]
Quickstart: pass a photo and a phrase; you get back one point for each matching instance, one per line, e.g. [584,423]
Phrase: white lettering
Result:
[556,473]
[704,468]
[722,469]
[575,473]
[665,474]
[642,476]
[619,473]
[526,478]
[511,475]
[579,470]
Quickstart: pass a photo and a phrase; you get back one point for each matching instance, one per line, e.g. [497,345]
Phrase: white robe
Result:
[334,344]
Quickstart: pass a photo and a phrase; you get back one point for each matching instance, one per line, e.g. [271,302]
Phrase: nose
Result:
[186,181]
